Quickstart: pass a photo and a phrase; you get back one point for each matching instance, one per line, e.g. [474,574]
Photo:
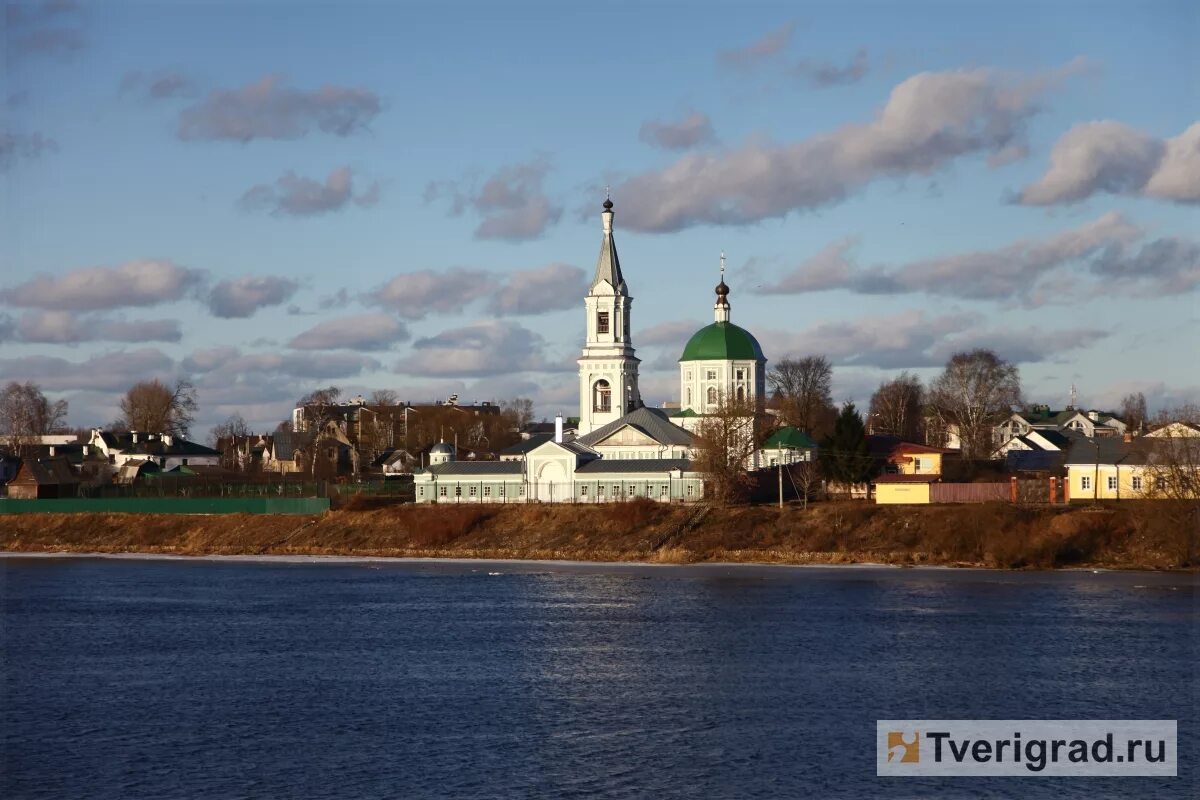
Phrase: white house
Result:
[162,449]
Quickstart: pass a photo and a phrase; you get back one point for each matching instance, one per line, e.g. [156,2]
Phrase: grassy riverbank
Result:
[993,535]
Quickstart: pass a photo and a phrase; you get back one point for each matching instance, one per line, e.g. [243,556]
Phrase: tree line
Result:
[26,414]
[975,391]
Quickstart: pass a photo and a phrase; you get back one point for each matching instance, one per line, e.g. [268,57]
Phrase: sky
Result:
[265,198]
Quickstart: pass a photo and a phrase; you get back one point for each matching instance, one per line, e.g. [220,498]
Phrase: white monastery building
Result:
[624,449]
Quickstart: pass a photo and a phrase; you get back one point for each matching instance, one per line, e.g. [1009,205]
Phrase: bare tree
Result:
[319,408]
[26,414]
[520,411]
[1171,477]
[1133,412]
[807,478]
[316,407]
[234,425]
[225,437]
[728,437]
[976,391]
[1188,413]
[804,386]
[154,407]
[896,407]
[328,396]
[384,397]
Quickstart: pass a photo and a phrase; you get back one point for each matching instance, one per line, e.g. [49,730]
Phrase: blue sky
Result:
[270,197]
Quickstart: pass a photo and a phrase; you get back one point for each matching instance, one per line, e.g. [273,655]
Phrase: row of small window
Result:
[711,375]
[472,491]
[1160,483]
[712,395]
[631,490]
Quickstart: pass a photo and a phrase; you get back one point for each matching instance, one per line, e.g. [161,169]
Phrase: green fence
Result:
[169,505]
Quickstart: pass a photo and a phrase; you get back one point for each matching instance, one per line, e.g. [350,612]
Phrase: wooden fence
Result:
[969,492]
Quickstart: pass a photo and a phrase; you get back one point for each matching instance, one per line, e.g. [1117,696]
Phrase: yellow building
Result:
[1133,469]
[903,489]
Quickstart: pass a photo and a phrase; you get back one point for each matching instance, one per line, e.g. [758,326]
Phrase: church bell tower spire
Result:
[608,368]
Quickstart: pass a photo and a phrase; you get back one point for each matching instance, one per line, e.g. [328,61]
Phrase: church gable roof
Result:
[635,465]
[626,436]
[652,422]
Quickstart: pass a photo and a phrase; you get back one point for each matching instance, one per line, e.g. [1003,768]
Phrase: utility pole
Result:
[780,465]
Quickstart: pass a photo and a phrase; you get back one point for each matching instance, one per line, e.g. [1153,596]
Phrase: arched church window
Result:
[712,396]
[601,322]
[689,396]
[602,396]
[741,394]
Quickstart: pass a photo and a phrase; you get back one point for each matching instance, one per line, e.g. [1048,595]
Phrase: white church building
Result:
[624,449]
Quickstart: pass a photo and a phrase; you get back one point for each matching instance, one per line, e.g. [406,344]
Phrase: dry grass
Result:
[995,535]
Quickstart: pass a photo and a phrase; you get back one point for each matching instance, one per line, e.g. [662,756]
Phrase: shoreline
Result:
[515,566]
[987,536]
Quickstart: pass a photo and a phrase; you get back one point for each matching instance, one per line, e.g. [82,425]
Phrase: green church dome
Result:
[722,341]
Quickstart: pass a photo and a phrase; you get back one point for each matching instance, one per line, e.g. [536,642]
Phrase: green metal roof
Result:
[722,341]
[789,438]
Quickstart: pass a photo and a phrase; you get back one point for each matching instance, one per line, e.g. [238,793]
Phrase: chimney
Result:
[558,428]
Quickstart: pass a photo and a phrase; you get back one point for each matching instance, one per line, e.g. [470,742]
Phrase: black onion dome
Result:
[608,205]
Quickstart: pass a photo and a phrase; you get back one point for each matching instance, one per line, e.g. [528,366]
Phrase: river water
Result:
[165,678]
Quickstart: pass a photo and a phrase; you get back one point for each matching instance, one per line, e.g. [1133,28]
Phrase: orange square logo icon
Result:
[904,748]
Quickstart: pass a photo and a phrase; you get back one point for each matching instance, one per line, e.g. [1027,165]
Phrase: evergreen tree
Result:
[844,455]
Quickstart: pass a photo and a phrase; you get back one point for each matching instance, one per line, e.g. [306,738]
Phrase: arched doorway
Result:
[552,483]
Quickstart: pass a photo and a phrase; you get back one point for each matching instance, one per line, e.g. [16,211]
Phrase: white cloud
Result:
[242,297]
[106,372]
[67,327]
[1114,158]
[359,332]
[914,339]
[694,129]
[537,291]
[266,109]
[485,348]
[511,203]
[928,121]
[230,361]
[770,44]
[137,283]
[297,196]
[415,295]
[825,74]
[1101,256]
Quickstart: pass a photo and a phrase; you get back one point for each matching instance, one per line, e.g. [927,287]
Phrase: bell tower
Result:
[608,368]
